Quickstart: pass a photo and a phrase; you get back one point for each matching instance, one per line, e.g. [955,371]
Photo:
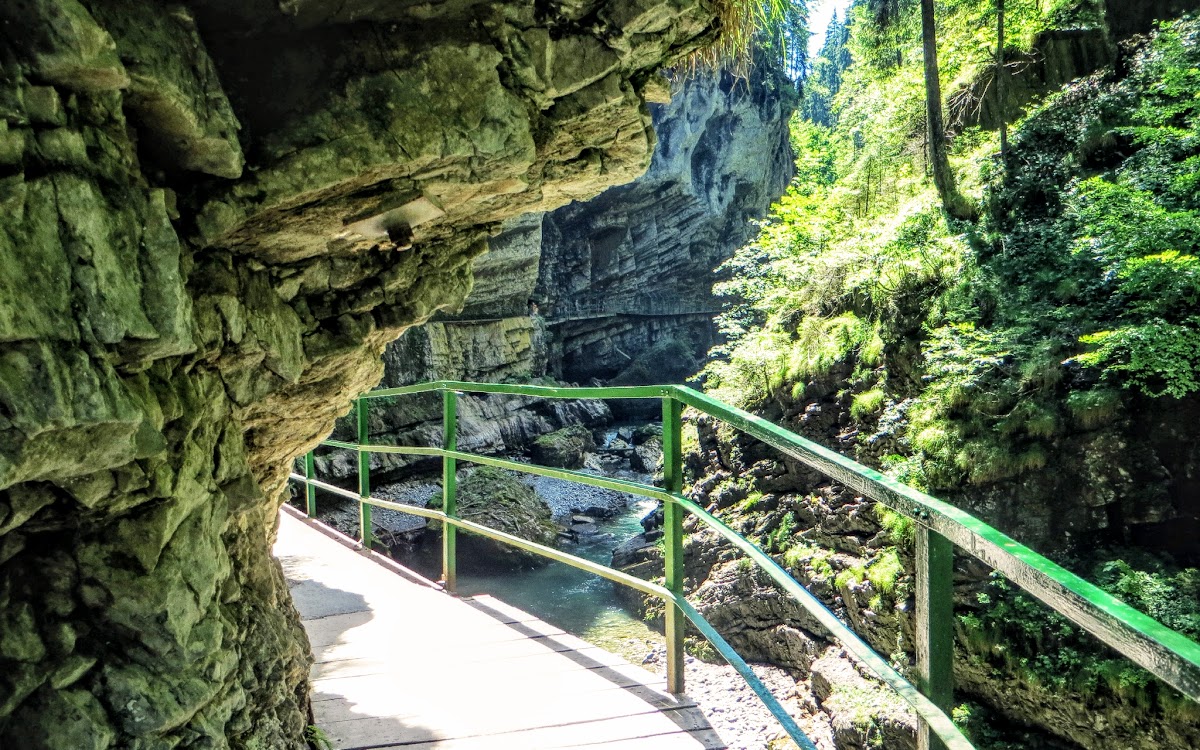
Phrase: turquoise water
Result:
[578,602]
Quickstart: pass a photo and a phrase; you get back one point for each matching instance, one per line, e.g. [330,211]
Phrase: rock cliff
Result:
[1058,56]
[634,267]
[215,217]
[647,248]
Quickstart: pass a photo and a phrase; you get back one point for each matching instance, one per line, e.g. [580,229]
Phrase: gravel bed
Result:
[409,493]
[564,498]
[736,713]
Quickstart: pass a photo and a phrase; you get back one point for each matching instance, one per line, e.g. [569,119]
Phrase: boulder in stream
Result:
[500,500]
[564,448]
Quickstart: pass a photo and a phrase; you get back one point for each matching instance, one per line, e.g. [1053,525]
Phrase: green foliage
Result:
[987,406]
[900,528]
[810,558]
[1094,407]
[825,80]
[1012,631]
[751,502]
[1157,357]
[1170,596]
[316,738]
[885,571]
[781,537]
[777,28]
[804,311]
[851,577]
[867,404]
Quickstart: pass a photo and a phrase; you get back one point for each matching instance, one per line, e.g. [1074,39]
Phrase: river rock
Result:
[499,500]
[564,448]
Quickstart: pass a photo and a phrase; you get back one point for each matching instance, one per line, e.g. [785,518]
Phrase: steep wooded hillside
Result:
[1038,366]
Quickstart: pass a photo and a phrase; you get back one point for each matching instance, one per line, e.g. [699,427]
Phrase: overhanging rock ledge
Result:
[213,217]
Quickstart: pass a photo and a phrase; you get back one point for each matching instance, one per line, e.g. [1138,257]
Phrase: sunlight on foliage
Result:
[776,28]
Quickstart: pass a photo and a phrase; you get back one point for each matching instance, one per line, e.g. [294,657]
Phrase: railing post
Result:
[310,492]
[364,474]
[672,411]
[935,626]
[449,490]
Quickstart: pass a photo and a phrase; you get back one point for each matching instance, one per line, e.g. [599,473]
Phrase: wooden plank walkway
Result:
[401,664]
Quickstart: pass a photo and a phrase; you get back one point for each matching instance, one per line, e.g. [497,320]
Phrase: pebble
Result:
[566,498]
[735,712]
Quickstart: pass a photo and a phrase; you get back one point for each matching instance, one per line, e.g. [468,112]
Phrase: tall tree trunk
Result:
[1001,104]
[943,178]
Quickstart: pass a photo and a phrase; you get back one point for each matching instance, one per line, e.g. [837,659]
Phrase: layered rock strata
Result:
[215,217]
[633,268]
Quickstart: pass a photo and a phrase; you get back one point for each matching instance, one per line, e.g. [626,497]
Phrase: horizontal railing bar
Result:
[541,391]
[938,721]
[739,664]
[612,574]
[1169,655]
[603,571]
[415,510]
[579,477]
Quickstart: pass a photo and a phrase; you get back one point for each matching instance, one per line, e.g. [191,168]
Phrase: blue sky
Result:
[819,14]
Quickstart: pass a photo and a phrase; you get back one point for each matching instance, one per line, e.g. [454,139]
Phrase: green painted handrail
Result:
[1167,654]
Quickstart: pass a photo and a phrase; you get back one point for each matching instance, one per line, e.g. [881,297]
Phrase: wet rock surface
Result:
[563,448]
[215,217]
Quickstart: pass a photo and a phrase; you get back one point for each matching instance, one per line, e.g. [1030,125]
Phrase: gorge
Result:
[216,216]
[224,221]
[870,352]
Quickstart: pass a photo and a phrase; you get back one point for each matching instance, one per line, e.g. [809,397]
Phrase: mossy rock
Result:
[648,433]
[498,499]
[564,448]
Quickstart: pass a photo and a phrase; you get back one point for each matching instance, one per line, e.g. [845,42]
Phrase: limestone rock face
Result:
[634,267]
[722,157]
[213,218]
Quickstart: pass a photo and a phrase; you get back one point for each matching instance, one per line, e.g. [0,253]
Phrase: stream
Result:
[580,603]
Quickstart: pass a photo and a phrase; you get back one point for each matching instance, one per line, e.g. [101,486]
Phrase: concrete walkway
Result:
[400,664]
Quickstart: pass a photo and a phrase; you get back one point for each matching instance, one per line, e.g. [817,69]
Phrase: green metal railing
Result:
[940,527]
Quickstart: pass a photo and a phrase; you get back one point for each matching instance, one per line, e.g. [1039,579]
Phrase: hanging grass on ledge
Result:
[775,28]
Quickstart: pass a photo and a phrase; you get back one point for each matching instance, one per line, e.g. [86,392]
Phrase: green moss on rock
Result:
[564,448]
[499,500]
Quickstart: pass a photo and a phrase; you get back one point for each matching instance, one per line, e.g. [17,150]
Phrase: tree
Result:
[1000,78]
[943,177]
[823,84]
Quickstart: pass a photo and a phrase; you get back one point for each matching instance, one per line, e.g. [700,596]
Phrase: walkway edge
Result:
[357,547]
